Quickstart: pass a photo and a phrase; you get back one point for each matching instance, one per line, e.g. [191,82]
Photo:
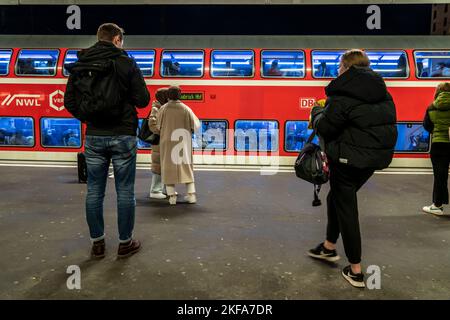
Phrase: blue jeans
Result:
[99,151]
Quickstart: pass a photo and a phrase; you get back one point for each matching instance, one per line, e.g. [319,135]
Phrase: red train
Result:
[262,88]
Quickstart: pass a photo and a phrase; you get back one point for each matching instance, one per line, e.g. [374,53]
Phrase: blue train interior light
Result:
[254,135]
[296,135]
[16,131]
[144,59]
[232,63]
[37,62]
[283,64]
[5,57]
[182,63]
[212,135]
[432,64]
[60,132]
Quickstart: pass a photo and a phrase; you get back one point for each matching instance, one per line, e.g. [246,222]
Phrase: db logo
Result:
[57,100]
[307,102]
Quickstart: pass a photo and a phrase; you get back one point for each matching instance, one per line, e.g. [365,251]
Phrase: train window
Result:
[182,63]
[283,64]
[16,131]
[60,132]
[296,134]
[5,57]
[71,57]
[37,62]
[254,135]
[142,144]
[389,64]
[326,63]
[145,60]
[212,135]
[412,138]
[432,64]
[232,63]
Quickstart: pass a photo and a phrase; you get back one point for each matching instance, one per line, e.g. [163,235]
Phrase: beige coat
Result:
[176,115]
[156,161]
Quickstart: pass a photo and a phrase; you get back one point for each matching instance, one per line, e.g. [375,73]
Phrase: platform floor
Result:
[245,239]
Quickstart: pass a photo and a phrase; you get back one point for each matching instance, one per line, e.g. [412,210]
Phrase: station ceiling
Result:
[205,2]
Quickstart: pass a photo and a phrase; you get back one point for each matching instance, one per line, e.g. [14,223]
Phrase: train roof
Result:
[233,42]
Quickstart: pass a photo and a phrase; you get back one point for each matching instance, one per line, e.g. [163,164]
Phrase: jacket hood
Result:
[442,101]
[102,50]
[360,83]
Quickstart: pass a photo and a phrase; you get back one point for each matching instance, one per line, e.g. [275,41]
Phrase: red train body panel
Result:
[257,98]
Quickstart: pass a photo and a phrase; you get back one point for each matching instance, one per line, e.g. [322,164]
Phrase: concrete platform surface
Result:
[245,239]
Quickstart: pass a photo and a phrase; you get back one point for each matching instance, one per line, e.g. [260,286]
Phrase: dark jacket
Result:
[131,76]
[358,123]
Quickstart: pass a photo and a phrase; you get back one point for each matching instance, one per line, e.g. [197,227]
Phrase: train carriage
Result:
[261,88]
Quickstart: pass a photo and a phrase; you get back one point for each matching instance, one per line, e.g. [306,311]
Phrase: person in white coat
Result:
[176,123]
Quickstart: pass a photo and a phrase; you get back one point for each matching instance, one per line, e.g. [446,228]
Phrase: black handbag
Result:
[146,135]
[312,166]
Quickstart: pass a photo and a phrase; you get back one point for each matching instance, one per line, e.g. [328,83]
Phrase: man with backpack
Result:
[104,89]
[358,126]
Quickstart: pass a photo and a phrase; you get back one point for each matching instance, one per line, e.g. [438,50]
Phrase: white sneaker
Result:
[190,198]
[158,195]
[438,211]
[173,199]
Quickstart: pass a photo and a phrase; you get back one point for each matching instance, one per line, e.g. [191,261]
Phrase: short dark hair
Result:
[174,93]
[107,32]
[161,95]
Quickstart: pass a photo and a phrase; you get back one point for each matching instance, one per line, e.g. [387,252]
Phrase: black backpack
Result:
[99,91]
[145,134]
[312,165]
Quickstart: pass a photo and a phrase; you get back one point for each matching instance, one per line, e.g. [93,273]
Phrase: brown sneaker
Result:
[128,249]
[98,249]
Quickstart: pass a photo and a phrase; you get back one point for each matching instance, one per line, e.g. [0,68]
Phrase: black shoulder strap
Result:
[311,136]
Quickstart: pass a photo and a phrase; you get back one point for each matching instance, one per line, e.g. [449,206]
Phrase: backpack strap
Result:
[316,202]
[311,136]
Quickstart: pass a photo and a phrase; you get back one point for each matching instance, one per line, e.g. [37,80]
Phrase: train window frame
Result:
[161,54]
[37,75]
[312,62]
[154,59]
[408,69]
[413,152]
[211,70]
[282,50]
[226,136]
[248,151]
[284,132]
[137,136]
[34,134]
[9,61]
[64,60]
[58,147]
[428,51]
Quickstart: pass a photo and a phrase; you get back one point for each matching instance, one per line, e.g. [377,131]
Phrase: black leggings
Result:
[440,158]
[342,208]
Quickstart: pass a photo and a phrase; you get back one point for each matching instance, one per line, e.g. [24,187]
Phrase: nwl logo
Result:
[23,100]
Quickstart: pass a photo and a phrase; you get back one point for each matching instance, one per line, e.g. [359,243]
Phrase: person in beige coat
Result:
[157,188]
[176,123]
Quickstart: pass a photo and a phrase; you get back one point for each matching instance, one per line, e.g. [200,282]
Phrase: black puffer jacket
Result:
[138,95]
[358,123]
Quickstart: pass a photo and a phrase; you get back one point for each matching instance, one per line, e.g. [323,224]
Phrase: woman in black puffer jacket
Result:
[358,125]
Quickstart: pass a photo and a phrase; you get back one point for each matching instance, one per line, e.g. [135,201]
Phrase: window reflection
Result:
[60,132]
[16,131]
[37,62]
